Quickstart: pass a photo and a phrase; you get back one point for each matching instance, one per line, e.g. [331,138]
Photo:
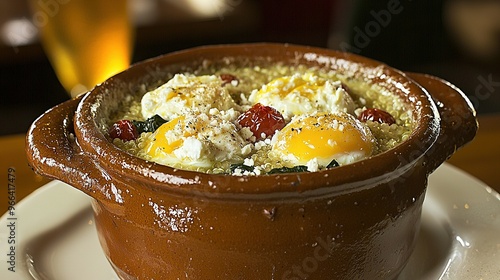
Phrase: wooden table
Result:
[480,158]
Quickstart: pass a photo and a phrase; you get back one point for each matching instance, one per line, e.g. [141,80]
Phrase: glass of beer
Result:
[86,41]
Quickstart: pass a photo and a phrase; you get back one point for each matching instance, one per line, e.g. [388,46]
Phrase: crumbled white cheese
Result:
[248,162]
[312,165]
[191,149]
[246,150]
[246,133]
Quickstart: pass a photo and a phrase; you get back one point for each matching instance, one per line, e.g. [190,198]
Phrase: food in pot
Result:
[261,119]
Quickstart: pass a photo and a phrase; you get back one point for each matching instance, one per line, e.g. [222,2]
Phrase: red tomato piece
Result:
[262,120]
[124,130]
[377,115]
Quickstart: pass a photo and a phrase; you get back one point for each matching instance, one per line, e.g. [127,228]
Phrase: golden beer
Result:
[86,41]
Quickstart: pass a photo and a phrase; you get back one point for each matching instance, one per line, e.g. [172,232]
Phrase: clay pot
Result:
[358,221]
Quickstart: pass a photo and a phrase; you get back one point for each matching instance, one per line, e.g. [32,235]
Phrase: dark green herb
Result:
[332,164]
[241,166]
[149,125]
[298,168]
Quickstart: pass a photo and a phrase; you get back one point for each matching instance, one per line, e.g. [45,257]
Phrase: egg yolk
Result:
[305,85]
[324,137]
[160,142]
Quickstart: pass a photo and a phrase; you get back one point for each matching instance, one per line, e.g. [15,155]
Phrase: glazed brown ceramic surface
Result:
[357,221]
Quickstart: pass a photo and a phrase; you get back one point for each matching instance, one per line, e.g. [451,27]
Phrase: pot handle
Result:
[458,118]
[52,150]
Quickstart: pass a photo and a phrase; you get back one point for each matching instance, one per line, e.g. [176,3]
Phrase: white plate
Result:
[459,237]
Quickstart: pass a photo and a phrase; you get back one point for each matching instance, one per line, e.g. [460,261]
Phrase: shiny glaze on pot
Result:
[357,221]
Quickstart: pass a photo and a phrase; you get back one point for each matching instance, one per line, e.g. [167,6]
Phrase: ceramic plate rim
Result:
[472,195]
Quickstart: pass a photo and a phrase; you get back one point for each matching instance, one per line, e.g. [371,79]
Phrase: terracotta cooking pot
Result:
[357,221]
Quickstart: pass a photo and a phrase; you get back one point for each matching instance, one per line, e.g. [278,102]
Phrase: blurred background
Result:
[458,40]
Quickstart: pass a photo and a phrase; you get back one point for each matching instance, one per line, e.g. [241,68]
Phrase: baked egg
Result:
[197,141]
[317,139]
[304,94]
[185,93]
